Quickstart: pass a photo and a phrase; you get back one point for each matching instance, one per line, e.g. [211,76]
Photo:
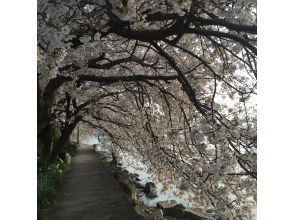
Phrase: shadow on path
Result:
[89,192]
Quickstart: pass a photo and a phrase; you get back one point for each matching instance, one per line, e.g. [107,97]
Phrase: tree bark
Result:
[47,142]
[46,100]
[65,134]
[78,134]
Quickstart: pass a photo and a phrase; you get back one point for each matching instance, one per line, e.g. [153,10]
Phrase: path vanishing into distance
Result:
[88,191]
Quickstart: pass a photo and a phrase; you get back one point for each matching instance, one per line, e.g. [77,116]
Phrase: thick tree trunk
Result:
[65,134]
[47,142]
[46,100]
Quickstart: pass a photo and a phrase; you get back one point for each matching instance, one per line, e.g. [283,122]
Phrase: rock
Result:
[118,170]
[115,169]
[117,174]
[149,187]
[128,188]
[108,159]
[104,157]
[114,159]
[138,185]
[166,204]
[157,215]
[101,154]
[179,206]
[123,170]
[132,176]
[125,178]
[171,208]
[67,158]
[150,190]
[173,212]
[196,214]
[151,195]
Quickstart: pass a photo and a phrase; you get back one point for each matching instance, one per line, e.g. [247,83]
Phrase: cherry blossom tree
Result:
[172,82]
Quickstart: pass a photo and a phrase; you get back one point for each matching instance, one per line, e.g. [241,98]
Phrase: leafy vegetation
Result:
[49,177]
[48,180]
[70,148]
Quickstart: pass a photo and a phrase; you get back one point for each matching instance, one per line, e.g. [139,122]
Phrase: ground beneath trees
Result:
[89,192]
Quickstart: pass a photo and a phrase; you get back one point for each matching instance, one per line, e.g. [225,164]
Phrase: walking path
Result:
[89,192]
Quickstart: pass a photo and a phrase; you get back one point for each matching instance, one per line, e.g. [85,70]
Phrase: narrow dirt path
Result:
[89,192]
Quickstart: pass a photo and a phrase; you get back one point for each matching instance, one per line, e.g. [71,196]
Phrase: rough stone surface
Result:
[179,206]
[89,192]
[138,185]
[166,204]
[173,212]
[129,189]
[149,187]
[171,208]
[156,215]
[150,190]
[151,195]
[67,158]
[196,214]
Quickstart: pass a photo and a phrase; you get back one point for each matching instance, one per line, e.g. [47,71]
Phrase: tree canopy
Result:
[170,81]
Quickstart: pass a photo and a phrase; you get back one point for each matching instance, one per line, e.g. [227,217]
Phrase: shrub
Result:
[48,179]
[70,148]
[40,160]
